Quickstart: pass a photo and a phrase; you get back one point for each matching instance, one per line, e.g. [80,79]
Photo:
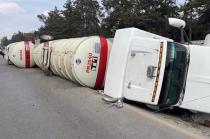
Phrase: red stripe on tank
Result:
[27,54]
[102,63]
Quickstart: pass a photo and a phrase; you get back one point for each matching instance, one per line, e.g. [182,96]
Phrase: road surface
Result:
[35,106]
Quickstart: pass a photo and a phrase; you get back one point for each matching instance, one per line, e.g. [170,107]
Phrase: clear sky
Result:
[21,15]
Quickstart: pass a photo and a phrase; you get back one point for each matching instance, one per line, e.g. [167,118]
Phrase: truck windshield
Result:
[174,75]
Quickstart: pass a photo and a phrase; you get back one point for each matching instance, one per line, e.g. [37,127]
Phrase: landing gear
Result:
[114,102]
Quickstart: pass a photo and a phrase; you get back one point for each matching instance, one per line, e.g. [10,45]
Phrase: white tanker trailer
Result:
[20,54]
[81,60]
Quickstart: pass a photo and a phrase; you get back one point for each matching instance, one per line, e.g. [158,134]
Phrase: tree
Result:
[17,37]
[53,24]
[119,14]
[149,15]
[68,13]
[86,17]
[197,13]
[4,41]
[79,18]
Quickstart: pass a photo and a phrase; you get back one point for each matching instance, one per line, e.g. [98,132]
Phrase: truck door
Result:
[145,70]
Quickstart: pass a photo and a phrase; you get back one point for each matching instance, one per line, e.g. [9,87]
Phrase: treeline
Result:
[91,17]
[16,37]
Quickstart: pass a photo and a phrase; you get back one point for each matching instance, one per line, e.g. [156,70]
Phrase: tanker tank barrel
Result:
[20,54]
[81,60]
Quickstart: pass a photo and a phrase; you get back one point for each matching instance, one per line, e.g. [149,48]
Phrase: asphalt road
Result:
[35,106]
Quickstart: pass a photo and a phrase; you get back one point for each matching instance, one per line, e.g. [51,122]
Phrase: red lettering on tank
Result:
[27,54]
[89,63]
[21,55]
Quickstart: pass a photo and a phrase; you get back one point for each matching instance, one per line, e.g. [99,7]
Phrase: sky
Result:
[21,15]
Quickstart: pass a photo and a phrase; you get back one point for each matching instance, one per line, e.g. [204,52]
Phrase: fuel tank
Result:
[81,60]
[20,54]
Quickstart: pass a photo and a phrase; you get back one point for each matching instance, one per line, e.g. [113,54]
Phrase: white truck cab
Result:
[147,68]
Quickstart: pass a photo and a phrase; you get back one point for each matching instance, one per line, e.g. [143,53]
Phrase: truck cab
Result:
[146,68]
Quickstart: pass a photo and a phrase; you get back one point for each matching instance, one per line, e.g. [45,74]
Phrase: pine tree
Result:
[54,24]
[69,28]
[149,15]
[197,15]
[86,17]
[4,41]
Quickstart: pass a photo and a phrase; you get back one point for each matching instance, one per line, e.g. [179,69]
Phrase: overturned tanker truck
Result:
[142,66]
[81,60]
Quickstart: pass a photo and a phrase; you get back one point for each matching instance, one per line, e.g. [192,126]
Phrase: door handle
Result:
[151,71]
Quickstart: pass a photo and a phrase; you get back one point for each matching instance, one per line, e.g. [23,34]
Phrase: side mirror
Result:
[178,23]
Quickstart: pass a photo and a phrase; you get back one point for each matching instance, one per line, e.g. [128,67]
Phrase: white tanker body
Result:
[20,54]
[81,60]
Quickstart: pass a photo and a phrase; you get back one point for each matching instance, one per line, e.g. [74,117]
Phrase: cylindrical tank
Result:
[20,54]
[81,60]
